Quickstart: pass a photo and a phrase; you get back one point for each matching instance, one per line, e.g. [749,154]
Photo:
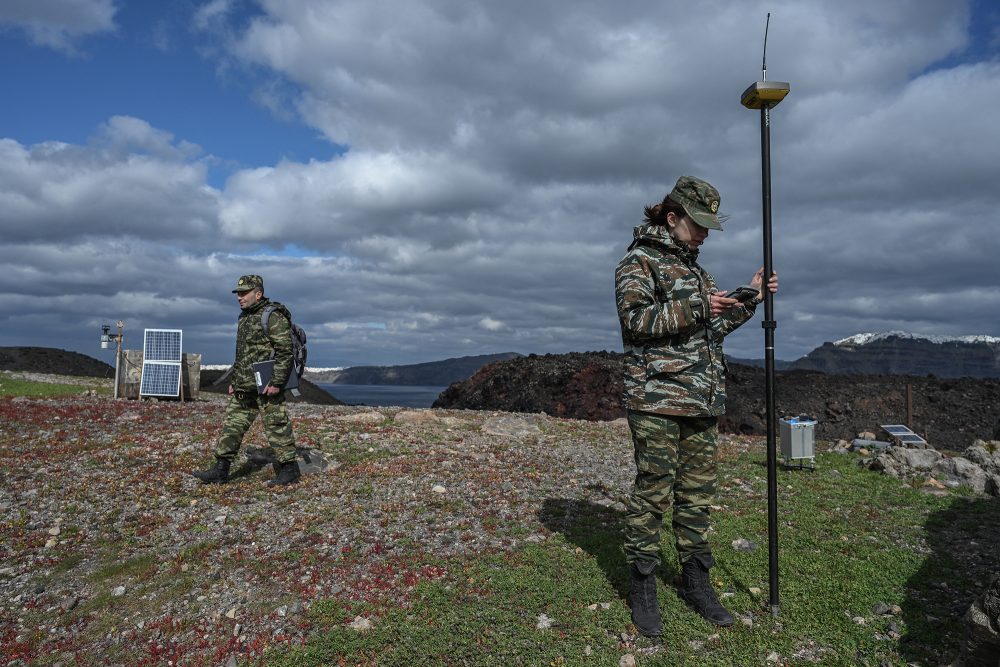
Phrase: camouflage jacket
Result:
[252,345]
[673,349]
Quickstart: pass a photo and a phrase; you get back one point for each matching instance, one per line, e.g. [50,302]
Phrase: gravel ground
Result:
[113,554]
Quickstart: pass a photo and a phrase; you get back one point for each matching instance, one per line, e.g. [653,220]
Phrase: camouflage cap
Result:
[249,283]
[699,199]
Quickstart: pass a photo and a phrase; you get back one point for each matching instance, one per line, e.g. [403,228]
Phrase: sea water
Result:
[377,395]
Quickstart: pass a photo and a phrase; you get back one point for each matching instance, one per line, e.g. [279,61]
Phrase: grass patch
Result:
[11,387]
[848,539]
[141,567]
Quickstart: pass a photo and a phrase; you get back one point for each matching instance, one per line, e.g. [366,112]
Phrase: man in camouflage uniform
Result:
[673,321]
[253,345]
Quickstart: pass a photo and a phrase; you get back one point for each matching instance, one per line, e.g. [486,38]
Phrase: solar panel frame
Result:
[161,363]
[163,345]
[160,379]
[902,434]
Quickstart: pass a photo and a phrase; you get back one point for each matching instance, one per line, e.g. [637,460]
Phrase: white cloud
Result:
[498,155]
[58,24]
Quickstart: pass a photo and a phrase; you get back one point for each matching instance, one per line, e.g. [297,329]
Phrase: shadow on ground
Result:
[963,544]
[598,530]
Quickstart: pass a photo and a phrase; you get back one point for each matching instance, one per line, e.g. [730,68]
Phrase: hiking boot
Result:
[288,473]
[696,590]
[217,474]
[642,599]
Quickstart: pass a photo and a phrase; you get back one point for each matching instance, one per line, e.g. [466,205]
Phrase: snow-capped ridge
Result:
[865,338]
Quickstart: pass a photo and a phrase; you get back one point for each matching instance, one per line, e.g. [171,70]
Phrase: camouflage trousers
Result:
[240,416]
[675,467]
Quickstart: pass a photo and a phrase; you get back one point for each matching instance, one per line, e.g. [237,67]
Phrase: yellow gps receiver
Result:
[762,94]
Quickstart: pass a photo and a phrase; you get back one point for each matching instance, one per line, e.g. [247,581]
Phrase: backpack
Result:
[299,351]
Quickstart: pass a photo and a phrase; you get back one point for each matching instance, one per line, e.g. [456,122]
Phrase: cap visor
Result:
[706,220]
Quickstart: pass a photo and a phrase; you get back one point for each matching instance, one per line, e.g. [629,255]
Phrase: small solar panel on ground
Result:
[902,434]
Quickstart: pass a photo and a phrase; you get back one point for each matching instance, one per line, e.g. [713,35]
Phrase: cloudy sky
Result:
[421,179]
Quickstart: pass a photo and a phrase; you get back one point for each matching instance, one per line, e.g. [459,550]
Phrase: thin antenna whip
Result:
[763,65]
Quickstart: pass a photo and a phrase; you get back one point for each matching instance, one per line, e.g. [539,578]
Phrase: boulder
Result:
[961,470]
[982,621]
[887,464]
[918,459]
[978,454]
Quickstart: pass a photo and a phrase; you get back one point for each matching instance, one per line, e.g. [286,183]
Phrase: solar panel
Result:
[902,433]
[161,363]
[160,379]
[162,345]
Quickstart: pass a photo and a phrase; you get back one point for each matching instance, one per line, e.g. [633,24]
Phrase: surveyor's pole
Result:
[765,95]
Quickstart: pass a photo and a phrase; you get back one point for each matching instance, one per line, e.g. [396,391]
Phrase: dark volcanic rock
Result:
[53,361]
[582,385]
[951,413]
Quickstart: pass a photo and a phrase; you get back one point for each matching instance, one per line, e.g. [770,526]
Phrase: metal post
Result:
[909,406]
[764,95]
[769,324]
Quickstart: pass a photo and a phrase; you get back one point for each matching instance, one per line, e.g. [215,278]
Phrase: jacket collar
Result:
[659,235]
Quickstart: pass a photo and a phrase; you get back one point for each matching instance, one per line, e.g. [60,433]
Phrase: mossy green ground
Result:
[849,539]
[11,386]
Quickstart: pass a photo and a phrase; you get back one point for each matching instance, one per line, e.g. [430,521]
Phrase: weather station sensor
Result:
[765,95]
[119,339]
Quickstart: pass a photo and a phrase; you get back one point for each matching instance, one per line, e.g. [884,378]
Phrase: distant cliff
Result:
[951,413]
[432,373]
[898,353]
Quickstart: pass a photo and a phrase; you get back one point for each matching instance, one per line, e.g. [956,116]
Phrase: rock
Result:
[744,546]
[745,619]
[437,488]
[773,657]
[887,465]
[993,485]
[54,530]
[754,591]
[918,459]
[866,435]
[978,454]
[232,662]
[881,609]
[231,613]
[982,641]
[963,471]
[510,426]
[544,622]
[118,591]
[627,660]
[934,484]
[361,624]
[69,604]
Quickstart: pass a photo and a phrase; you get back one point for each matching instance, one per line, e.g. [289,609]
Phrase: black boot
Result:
[696,589]
[642,599]
[217,474]
[288,473]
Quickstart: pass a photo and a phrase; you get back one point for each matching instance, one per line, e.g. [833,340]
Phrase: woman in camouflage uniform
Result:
[673,321]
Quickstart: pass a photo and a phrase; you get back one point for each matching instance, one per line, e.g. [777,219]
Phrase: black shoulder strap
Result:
[265,315]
